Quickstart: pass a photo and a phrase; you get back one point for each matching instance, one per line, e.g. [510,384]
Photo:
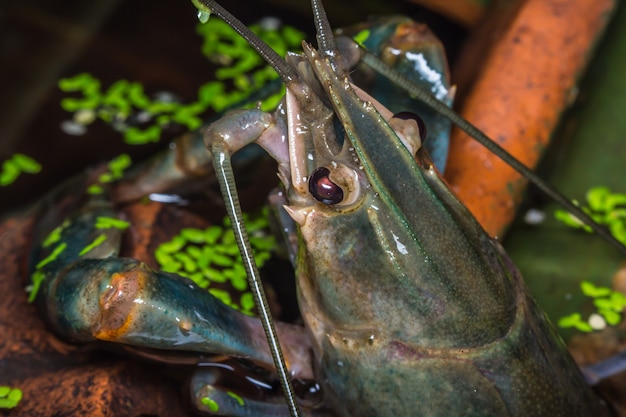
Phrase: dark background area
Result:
[152,42]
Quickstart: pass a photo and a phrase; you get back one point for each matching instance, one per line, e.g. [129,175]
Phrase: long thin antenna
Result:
[284,70]
[226,178]
[431,101]
[325,37]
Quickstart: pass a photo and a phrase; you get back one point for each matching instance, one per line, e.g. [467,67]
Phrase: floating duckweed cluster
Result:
[608,208]
[9,397]
[214,406]
[122,99]
[605,207]
[103,222]
[38,277]
[240,64]
[116,168]
[53,237]
[609,304]
[16,165]
[222,45]
[125,105]
[211,256]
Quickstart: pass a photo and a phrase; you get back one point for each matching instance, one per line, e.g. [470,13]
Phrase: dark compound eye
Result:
[407,115]
[323,189]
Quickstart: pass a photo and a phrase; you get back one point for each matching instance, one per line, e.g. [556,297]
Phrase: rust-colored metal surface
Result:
[60,379]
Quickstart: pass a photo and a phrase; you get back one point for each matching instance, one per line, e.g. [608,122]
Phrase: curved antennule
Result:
[284,70]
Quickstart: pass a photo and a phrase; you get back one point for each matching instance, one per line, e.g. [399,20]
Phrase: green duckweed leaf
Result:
[103,222]
[53,255]
[575,320]
[26,163]
[13,167]
[612,318]
[211,404]
[136,136]
[236,397]
[37,278]
[590,290]
[95,189]
[96,242]
[10,172]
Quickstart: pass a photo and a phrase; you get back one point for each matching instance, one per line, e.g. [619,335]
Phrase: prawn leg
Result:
[95,295]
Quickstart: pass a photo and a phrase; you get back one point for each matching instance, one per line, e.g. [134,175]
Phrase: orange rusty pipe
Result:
[465,12]
[525,83]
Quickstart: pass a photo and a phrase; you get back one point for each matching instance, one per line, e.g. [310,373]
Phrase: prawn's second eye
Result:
[407,115]
[323,189]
